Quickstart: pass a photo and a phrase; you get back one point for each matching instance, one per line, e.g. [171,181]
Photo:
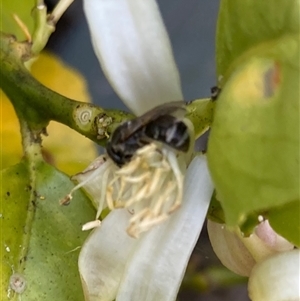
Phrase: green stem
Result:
[38,105]
[45,23]
[200,113]
[43,29]
[33,156]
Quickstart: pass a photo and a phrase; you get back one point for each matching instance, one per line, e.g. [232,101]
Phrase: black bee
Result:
[163,124]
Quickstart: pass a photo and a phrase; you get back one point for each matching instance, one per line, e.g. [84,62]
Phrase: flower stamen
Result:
[150,185]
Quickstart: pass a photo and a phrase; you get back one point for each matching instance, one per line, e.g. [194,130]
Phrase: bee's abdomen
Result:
[170,131]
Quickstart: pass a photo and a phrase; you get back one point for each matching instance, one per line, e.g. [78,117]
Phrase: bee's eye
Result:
[114,154]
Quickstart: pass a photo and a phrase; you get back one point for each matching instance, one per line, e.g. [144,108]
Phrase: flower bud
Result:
[239,253]
[277,278]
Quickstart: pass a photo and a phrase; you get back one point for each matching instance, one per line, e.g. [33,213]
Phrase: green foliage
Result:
[42,239]
[285,221]
[254,145]
[245,24]
[15,196]
[23,9]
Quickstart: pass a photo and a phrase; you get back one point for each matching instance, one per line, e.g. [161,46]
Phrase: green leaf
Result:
[15,189]
[23,9]
[247,23]
[253,150]
[41,238]
[285,221]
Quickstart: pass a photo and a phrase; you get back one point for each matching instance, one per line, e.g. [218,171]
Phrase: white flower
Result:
[115,266]
[133,48]
[150,186]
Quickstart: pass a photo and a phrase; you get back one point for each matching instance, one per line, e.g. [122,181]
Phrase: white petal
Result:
[157,266]
[134,50]
[277,278]
[103,257]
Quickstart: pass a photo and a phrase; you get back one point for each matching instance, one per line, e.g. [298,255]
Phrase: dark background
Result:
[191,25]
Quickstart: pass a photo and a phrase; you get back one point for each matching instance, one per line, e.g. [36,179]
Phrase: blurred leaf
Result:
[210,278]
[254,147]
[41,239]
[245,24]
[285,221]
[23,10]
[61,78]
[54,74]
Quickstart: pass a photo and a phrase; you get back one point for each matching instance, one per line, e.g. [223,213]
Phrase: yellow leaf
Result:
[11,148]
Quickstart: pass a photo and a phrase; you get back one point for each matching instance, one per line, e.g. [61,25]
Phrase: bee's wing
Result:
[175,108]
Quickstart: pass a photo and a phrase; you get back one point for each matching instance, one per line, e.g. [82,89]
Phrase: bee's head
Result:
[120,147]
[115,156]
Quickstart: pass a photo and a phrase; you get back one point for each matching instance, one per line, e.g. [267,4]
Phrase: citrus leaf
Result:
[245,24]
[253,150]
[15,189]
[23,10]
[285,221]
[41,238]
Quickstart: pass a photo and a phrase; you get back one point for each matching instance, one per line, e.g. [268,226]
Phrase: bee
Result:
[163,124]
